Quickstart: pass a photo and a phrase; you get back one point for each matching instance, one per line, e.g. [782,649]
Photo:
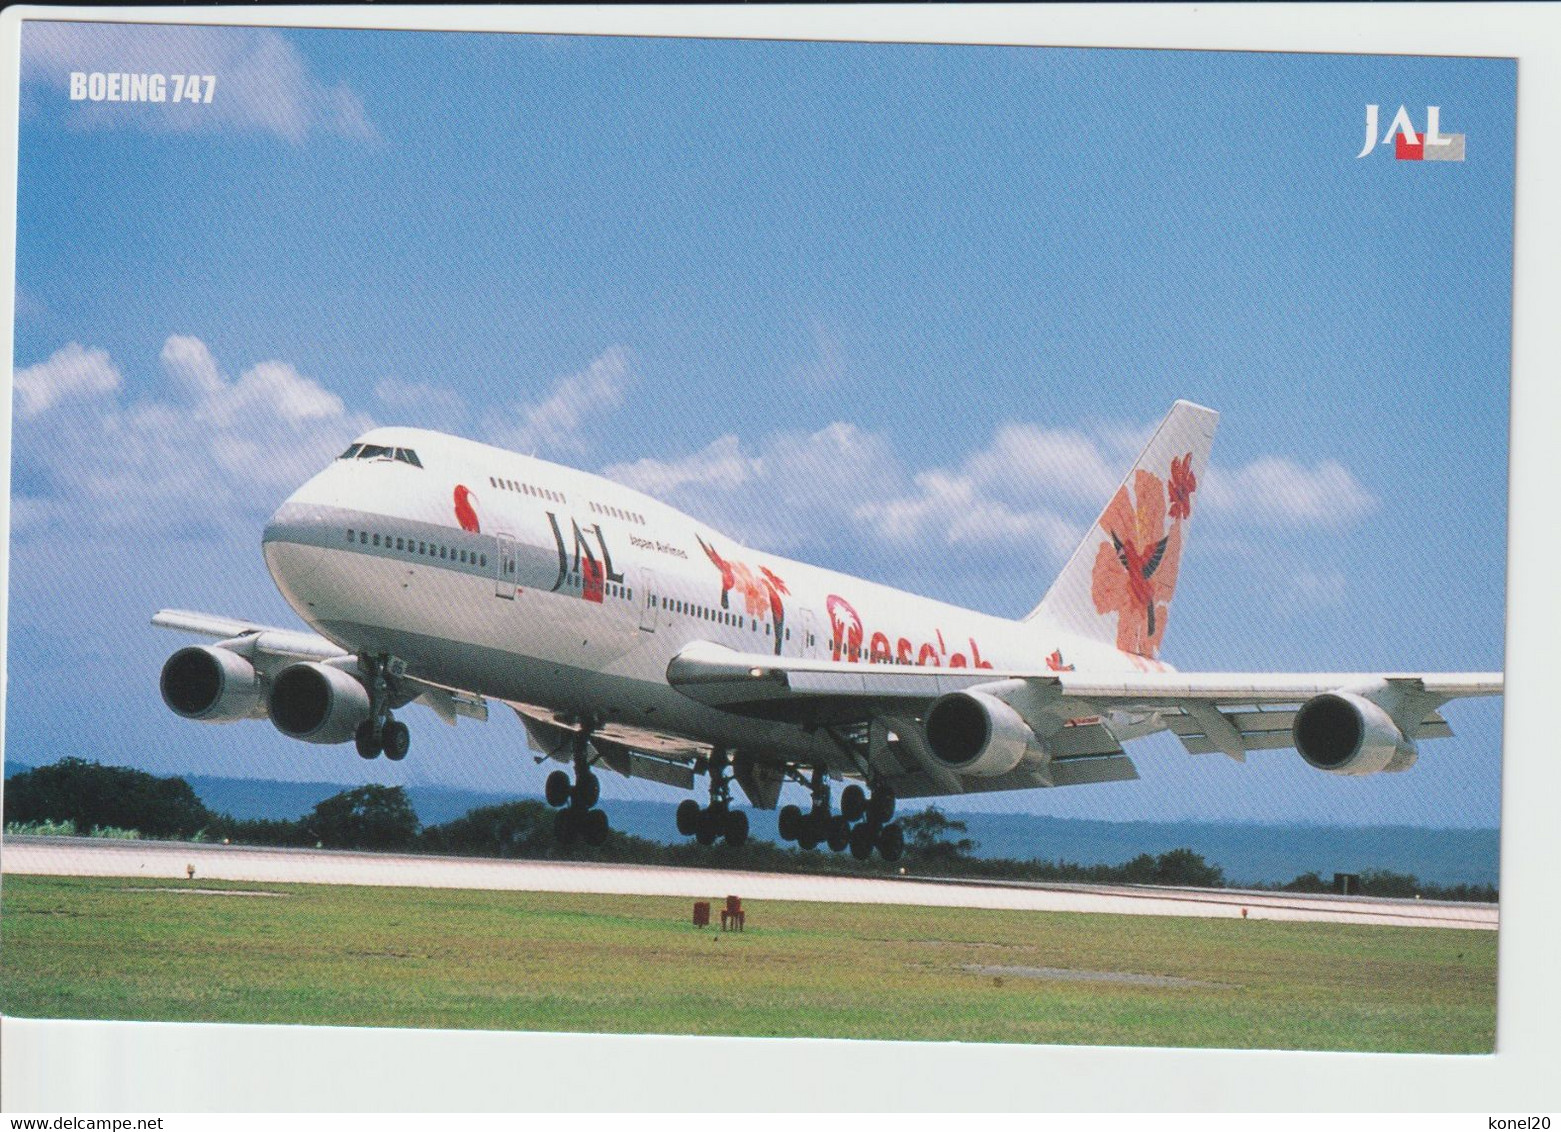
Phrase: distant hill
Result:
[1248,853]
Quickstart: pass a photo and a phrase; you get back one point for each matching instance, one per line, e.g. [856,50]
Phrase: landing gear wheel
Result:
[790,822]
[397,740]
[593,827]
[862,837]
[891,843]
[565,827]
[880,807]
[736,831]
[810,832]
[688,817]
[853,803]
[708,828]
[557,789]
[367,740]
[588,788]
[839,835]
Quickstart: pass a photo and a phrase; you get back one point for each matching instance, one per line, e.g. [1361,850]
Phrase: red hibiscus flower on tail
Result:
[1181,486]
[1135,569]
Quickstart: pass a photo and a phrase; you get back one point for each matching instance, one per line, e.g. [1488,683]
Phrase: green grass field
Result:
[121,949]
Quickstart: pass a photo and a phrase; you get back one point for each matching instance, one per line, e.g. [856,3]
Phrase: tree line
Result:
[93,796]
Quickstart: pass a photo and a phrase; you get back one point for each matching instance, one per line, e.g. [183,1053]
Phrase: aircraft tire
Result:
[789,822]
[891,843]
[709,826]
[587,790]
[557,789]
[594,827]
[853,803]
[564,827]
[862,837]
[880,807]
[808,833]
[839,833]
[397,738]
[736,831]
[366,741]
[688,817]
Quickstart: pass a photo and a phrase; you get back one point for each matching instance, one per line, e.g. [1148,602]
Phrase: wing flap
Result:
[633,752]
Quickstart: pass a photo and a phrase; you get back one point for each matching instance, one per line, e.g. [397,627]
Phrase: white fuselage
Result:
[533,583]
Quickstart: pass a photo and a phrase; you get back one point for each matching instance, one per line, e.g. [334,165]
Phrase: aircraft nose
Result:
[293,543]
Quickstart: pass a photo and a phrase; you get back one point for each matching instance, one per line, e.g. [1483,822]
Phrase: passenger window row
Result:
[618,513]
[527,489]
[416,546]
[705,613]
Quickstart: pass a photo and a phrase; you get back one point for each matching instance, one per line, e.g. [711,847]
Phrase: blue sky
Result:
[796,289]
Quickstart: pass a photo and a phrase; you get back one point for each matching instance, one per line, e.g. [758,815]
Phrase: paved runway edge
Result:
[86,857]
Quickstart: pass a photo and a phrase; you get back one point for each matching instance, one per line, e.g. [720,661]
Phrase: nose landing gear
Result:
[863,824]
[576,799]
[708,824]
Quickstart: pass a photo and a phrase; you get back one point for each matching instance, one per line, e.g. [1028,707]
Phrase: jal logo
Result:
[1408,143]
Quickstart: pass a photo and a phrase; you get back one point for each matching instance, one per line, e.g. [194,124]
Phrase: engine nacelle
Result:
[212,685]
[1344,733]
[977,734]
[317,703]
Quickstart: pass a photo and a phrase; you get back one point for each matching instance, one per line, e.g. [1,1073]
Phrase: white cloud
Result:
[953,509]
[1031,488]
[263,82]
[1004,517]
[189,363]
[576,402]
[1278,492]
[722,466]
[1026,462]
[71,371]
[217,455]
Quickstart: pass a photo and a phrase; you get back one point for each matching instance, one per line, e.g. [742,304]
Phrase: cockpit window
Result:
[381,452]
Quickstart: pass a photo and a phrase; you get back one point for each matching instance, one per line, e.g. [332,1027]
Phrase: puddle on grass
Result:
[1066,975]
[207,891]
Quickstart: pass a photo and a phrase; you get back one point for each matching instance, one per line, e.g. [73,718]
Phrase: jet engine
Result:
[977,734]
[1344,733]
[211,684]
[317,703]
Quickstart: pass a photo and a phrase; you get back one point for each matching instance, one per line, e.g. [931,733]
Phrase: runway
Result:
[62,856]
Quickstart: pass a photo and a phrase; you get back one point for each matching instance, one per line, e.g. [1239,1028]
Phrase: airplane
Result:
[631,637]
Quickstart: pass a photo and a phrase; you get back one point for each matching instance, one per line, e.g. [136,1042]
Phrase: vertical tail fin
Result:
[1117,587]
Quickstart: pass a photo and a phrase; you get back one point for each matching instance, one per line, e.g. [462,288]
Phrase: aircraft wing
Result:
[1082,716]
[250,637]
[271,649]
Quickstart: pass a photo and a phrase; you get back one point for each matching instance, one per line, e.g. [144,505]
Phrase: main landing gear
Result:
[708,824]
[577,816]
[381,732]
[863,824]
